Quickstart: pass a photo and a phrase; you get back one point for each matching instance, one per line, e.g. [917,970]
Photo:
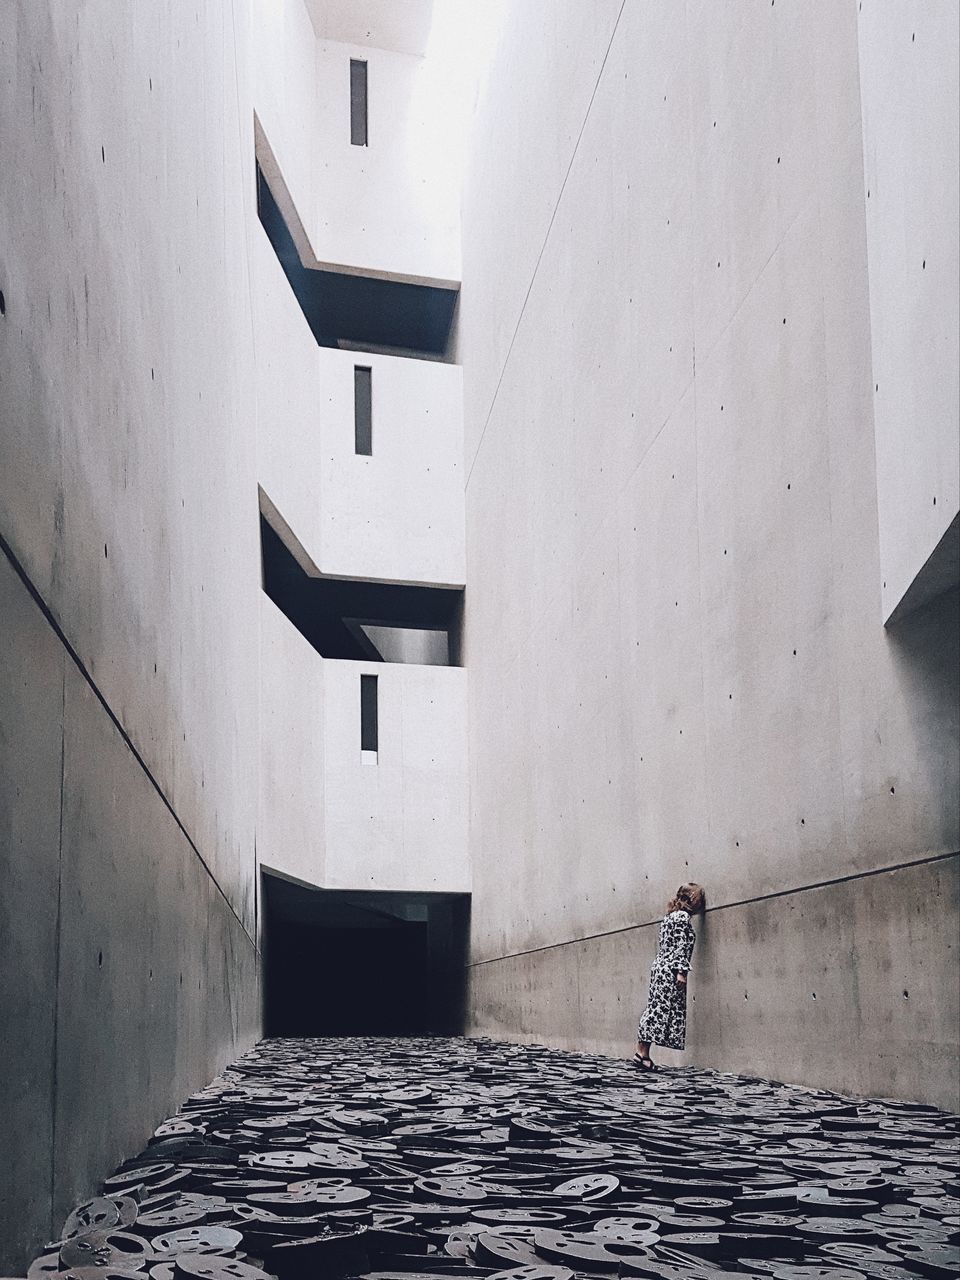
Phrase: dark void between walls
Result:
[359,310]
[339,963]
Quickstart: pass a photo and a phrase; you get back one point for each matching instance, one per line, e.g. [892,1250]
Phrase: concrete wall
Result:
[129,703]
[283,69]
[387,207]
[329,815]
[398,514]
[336,817]
[768,972]
[290,832]
[396,819]
[676,657]
[910,90]
[394,516]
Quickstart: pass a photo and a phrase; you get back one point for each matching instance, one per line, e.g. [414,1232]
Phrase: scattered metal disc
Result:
[104,1249]
[99,1273]
[412,1159]
[99,1214]
[207,1266]
[196,1240]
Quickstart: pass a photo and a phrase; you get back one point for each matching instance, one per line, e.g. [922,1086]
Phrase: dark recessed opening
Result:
[358,102]
[358,310]
[333,613]
[369,715]
[363,410]
[340,963]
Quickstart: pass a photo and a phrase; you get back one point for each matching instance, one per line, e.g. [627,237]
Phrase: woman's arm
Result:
[679,950]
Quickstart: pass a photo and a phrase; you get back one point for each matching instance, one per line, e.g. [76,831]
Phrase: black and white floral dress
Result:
[664,1021]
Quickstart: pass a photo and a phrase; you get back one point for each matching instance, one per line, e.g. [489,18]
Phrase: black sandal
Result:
[645,1064]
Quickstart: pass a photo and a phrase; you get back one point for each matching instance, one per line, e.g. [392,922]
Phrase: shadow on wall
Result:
[926,656]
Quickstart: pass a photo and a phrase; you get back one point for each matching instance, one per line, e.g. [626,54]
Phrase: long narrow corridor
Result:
[402,1159]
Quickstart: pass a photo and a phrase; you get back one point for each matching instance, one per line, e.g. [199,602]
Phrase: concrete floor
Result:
[411,1158]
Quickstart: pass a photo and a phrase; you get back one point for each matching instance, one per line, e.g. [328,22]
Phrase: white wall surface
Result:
[128,500]
[397,514]
[284,92]
[389,207]
[539,45]
[909,82]
[396,819]
[288,399]
[127,449]
[290,829]
[401,25]
[676,660]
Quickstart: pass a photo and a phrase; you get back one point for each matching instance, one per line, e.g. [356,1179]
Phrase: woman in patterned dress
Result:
[664,1021]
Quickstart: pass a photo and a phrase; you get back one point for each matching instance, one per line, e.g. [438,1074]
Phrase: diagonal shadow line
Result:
[536,269]
[74,656]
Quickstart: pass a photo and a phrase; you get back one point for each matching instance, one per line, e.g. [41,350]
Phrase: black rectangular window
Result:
[358,102]
[368,713]
[362,410]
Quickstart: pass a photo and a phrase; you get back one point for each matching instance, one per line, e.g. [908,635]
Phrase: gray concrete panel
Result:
[850,986]
[673,633]
[127,448]
[158,985]
[910,90]
[31,738]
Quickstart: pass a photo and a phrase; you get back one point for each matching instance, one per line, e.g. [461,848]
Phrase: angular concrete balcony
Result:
[361,454]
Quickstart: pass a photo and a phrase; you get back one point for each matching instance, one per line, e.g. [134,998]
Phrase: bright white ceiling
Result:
[400,25]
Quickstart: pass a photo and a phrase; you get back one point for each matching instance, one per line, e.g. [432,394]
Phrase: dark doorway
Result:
[339,963]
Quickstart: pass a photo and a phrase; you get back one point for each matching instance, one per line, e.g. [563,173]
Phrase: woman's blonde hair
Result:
[689,898]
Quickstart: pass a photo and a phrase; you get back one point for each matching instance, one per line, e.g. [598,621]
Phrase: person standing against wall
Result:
[664,1021]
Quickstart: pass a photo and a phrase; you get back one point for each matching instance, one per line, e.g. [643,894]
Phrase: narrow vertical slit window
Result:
[369,730]
[358,102]
[363,410]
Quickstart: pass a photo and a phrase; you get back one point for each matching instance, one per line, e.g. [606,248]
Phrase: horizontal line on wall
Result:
[44,608]
[723,906]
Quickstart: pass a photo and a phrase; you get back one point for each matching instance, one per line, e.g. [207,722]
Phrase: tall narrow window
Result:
[358,102]
[368,713]
[362,410]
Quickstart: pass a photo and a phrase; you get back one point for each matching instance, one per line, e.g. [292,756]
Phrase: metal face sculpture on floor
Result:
[407,1159]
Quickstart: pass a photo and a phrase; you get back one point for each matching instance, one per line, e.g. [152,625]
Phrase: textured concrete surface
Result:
[674,640]
[798,987]
[130,977]
[396,515]
[291,836]
[379,23]
[127,457]
[31,747]
[334,816]
[396,818]
[910,90]
[390,208]
[128,494]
